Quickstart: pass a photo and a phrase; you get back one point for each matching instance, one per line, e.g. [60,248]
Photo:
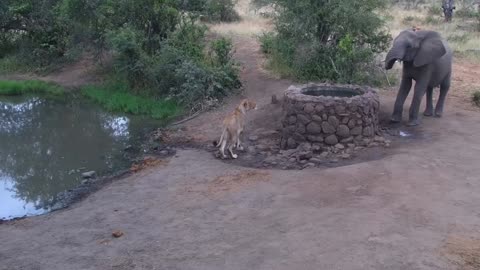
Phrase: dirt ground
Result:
[416,208]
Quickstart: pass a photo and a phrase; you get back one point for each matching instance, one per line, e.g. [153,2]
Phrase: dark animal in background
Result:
[427,59]
[448,6]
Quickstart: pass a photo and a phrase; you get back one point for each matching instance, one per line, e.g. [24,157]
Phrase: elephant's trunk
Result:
[396,53]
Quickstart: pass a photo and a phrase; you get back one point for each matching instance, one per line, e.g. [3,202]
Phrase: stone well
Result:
[329,114]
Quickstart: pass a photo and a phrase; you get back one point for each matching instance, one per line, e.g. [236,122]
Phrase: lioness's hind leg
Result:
[230,149]
[222,148]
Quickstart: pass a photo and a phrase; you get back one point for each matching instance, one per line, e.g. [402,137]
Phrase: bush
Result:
[326,40]
[476,98]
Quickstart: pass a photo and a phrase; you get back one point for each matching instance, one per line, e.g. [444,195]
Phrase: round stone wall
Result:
[329,114]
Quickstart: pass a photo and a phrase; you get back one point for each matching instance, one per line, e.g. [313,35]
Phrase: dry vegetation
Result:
[251,23]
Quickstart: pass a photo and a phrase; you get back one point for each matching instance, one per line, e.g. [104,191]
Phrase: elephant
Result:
[427,59]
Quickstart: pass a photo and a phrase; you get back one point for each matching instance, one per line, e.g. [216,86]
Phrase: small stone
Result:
[305,155]
[343,131]
[387,145]
[379,139]
[356,131]
[347,140]
[303,119]
[345,120]
[253,138]
[317,118]
[373,144]
[358,148]
[328,128]
[351,145]
[164,152]
[303,161]
[346,156]
[367,131]
[305,146]
[300,128]
[351,123]
[316,147]
[333,120]
[292,119]
[313,138]
[291,143]
[90,174]
[339,146]
[314,128]
[274,99]
[319,108]
[251,149]
[331,140]
[292,160]
[315,160]
[309,165]
[117,234]
[309,108]
[324,154]
[324,117]
[339,109]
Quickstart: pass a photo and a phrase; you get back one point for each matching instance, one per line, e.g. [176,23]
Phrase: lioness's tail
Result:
[217,144]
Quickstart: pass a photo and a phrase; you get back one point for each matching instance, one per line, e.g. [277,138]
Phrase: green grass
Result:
[122,101]
[15,88]
[476,98]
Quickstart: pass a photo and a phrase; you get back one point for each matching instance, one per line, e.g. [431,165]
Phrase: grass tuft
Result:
[15,88]
[121,101]
[476,98]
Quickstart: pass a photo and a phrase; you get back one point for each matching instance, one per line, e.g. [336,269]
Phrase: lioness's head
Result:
[248,104]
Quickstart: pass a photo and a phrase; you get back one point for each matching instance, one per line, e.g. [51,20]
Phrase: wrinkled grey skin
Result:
[427,59]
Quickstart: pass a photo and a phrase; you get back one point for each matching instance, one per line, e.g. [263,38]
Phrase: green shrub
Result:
[266,42]
[326,40]
[476,98]
[13,88]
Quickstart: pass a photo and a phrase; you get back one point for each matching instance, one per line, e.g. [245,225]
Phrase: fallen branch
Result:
[186,119]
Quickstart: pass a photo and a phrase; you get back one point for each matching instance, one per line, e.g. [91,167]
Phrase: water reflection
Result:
[43,141]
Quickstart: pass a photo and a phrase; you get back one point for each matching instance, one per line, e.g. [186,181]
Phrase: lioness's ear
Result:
[245,104]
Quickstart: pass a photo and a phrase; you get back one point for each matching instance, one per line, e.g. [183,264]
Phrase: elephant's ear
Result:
[431,48]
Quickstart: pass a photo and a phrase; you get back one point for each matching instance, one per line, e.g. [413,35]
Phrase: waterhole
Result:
[331,92]
[46,145]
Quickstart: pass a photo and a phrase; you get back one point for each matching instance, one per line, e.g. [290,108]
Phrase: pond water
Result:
[45,146]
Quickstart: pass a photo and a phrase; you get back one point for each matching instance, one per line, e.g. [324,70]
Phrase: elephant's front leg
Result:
[429,107]
[444,87]
[420,88]
[405,86]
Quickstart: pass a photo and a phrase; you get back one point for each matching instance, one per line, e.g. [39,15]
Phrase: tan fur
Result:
[233,126]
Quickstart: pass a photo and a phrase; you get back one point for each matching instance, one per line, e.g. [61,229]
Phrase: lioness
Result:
[233,126]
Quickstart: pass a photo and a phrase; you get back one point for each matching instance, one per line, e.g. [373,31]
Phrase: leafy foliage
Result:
[159,47]
[326,40]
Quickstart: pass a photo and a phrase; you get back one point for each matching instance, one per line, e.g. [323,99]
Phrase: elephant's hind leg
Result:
[429,108]
[444,87]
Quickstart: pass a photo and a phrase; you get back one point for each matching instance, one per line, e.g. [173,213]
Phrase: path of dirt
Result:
[418,208]
[78,74]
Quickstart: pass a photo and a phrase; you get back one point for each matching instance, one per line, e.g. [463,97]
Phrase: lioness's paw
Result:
[235,156]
